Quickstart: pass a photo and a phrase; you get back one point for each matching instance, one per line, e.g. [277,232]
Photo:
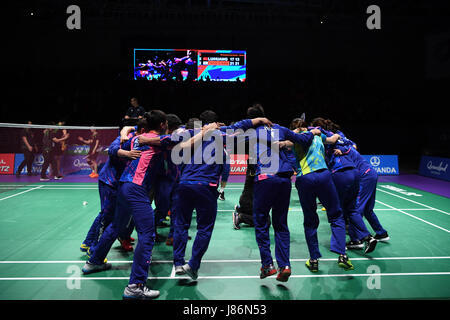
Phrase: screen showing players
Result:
[189,65]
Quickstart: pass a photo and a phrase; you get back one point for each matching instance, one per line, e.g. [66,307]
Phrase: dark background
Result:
[387,88]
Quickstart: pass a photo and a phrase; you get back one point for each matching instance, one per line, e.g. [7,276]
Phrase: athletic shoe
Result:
[354,245]
[191,273]
[58,177]
[235,217]
[139,292]
[91,174]
[222,195]
[84,247]
[179,270]
[45,178]
[370,244]
[95,175]
[89,253]
[169,241]
[91,268]
[312,265]
[126,245]
[267,271]
[382,237]
[284,274]
[344,262]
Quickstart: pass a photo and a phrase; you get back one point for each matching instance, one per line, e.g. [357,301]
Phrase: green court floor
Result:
[42,226]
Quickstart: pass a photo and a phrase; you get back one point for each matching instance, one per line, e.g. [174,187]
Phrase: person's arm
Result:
[65,136]
[125,132]
[199,136]
[114,147]
[331,140]
[153,141]
[56,140]
[247,124]
[304,139]
[25,140]
[285,144]
[84,141]
[131,154]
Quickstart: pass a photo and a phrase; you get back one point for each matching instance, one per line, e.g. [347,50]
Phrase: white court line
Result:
[222,261]
[299,210]
[237,277]
[172,274]
[427,206]
[16,194]
[427,222]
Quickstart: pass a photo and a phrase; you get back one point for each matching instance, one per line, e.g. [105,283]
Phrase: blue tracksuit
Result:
[272,191]
[107,186]
[314,181]
[346,179]
[367,189]
[198,190]
[137,179]
[166,183]
[165,189]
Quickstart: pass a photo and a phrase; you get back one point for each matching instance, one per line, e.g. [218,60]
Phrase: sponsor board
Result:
[36,167]
[79,165]
[238,163]
[435,167]
[6,163]
[383,164]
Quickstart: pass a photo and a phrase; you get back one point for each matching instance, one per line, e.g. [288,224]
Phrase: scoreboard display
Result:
[189,65]
[221,59]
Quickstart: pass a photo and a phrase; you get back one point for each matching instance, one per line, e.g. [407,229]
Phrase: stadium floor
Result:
[43,224]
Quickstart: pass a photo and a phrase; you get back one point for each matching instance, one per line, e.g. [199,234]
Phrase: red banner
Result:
[6,163]
[238,163]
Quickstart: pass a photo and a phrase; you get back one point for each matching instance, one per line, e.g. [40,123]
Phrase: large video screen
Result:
[189,65]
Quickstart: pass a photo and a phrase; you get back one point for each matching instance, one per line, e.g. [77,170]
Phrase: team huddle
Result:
[141,168]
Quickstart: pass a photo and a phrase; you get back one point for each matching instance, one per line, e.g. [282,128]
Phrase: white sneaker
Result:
[90,267]
[179,270]
[139,292]
[191,273]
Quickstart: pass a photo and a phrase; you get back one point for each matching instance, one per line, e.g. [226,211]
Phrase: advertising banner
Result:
[435,167]
[6,163]
[384,165]
[238,163]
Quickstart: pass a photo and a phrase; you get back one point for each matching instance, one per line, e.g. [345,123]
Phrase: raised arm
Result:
[332,140]
[25,140]
[125,132]
[199,136]
[305,139]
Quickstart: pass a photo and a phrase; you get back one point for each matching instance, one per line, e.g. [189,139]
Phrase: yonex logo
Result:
[375,161]
[39,160]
